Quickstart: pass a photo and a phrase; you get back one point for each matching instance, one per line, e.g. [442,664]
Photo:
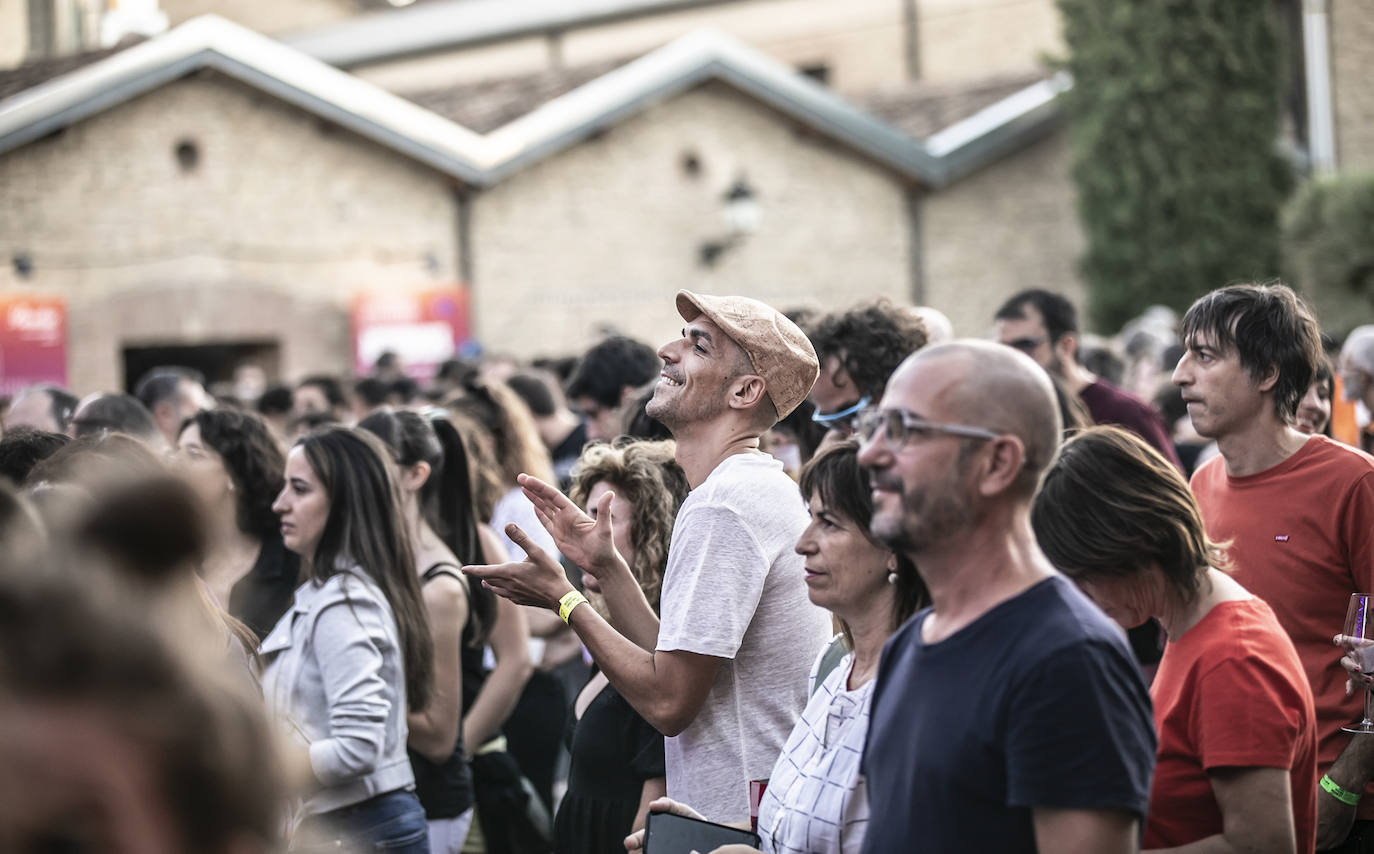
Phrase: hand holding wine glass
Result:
[1358,640]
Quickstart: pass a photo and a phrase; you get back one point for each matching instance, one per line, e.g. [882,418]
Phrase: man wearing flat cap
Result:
[724,674]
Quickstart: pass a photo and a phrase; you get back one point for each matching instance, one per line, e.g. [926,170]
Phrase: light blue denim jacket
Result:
[334,670]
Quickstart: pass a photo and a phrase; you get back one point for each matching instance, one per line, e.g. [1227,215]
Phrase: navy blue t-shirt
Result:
[1037,703]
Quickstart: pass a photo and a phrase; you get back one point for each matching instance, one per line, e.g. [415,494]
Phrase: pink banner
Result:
[33,341]
[422,328]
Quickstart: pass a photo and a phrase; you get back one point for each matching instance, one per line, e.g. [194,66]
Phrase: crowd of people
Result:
[845,581]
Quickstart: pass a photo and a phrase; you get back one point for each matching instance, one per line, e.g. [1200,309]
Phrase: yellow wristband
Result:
[570,600]
[1332,788]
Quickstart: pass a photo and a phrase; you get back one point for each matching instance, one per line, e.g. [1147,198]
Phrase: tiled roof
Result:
[919,109]
[923,109]
[30,74]
[502,127]
[486,105]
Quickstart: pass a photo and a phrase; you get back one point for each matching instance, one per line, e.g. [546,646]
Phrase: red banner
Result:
[33,341]
[422,328]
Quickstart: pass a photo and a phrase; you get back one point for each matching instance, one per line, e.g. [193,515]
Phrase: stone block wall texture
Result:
[1352,71]
[969,39]
[280,222]
[1011,226]
[608,231]
[14,32]
[269,17]
[283,219]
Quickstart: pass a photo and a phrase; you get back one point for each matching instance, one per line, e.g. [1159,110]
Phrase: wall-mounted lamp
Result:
[742,214]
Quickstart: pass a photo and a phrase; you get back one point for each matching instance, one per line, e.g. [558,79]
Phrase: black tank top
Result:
[445,790]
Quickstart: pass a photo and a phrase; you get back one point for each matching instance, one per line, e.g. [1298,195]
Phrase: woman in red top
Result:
[1236,768]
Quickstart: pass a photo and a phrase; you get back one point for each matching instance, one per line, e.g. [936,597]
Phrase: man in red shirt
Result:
[1297,510]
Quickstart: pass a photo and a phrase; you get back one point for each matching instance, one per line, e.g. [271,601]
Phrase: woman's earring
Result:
[892,578]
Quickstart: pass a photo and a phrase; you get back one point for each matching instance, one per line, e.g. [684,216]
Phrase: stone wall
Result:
[14,32]
[283,218]
[971,39]
[279,222]
[1011,226]
[608,231]
[1352,71]
[269,17]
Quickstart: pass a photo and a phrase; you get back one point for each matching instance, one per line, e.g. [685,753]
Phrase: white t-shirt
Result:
[515,507]
[734,588]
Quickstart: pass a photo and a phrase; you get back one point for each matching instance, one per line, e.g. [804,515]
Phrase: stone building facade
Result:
[265,238]
[1352,72]
[208,210]
[607,232]
[1011,226]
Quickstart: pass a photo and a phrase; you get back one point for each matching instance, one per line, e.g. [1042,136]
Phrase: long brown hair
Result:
[366,528]
[646,476]
[511,424]
[446,499]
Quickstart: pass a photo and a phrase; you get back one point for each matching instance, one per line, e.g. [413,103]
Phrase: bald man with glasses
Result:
[1010,715]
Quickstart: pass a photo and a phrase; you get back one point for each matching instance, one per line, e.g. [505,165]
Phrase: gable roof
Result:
[920,108]
[215,43]
[484,159]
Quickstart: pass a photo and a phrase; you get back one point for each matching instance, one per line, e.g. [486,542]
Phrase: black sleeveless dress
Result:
[614,751]
[445,790]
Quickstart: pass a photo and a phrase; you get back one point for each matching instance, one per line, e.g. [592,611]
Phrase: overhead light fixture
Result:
[742,214]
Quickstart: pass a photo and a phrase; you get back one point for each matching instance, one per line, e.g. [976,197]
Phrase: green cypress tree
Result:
[1328,248]
[1174,120]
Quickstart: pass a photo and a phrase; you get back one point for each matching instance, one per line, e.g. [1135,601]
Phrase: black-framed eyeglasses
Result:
[843,419]
[900,427]
[1028,344]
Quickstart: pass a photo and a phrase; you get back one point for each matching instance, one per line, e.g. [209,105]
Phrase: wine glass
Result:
[1359,640]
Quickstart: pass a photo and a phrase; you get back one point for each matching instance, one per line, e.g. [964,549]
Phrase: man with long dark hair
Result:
[1297,510]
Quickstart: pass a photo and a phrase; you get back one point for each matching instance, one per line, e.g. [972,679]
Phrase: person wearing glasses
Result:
[1009,716]
[1044,326]
[723,674]
[858,350]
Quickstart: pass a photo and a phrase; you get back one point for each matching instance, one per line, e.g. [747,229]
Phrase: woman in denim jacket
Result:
[354,647]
